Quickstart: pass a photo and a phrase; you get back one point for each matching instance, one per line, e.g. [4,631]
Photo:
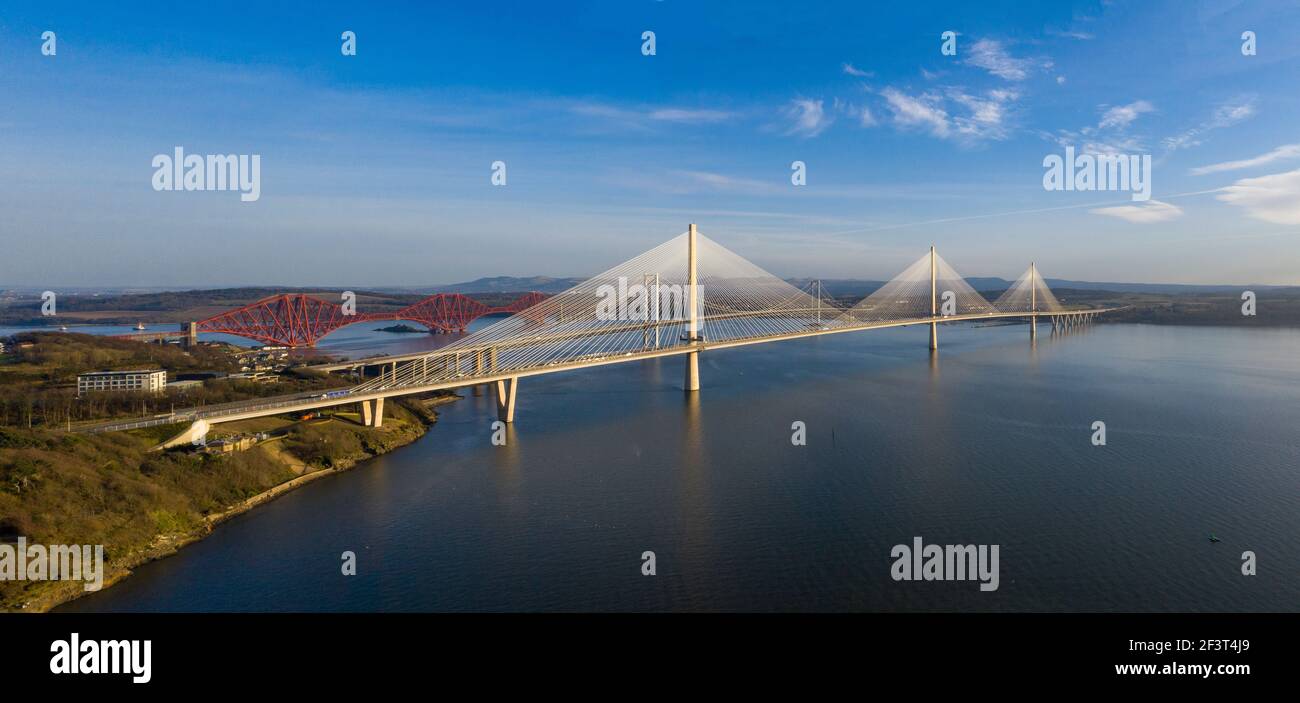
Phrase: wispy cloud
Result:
[986,114]
[1120,117]
[1071,34]
[1286,151]
[730,184]
[861,113]
[866,118]
[808,117]
[1274,198]
[924,111]
[1224,115]
[1146,213]
[685,116]
[990,55]
[852,70]
[1111,133]
[643,117]
[954,113]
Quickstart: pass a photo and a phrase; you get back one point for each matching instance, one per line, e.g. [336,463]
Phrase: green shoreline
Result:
[396,433]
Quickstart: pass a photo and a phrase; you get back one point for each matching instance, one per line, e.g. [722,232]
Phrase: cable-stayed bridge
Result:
[684,297]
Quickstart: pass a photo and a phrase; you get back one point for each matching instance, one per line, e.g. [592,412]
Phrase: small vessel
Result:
[139,326]
[1213,538]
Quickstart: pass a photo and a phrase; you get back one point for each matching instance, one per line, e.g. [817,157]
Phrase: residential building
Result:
[143,381]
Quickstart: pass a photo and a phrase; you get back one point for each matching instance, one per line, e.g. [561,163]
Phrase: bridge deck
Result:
[639,326]
[230,412]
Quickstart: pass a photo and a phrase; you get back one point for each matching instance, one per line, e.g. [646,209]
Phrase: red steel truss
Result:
[452,312]
[299,320]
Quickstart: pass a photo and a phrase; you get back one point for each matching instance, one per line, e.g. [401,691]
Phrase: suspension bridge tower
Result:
[692,326]
[1033,301]
[934,307]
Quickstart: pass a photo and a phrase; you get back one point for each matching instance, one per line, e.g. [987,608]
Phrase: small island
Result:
[402,329]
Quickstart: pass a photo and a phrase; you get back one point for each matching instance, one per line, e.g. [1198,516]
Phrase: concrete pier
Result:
[507,389]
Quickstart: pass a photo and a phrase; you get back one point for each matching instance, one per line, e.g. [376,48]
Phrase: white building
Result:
[150,381]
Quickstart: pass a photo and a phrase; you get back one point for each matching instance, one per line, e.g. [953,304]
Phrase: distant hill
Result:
[81,306]
[844,287]
[1173,288]
[510,284]
[144,298]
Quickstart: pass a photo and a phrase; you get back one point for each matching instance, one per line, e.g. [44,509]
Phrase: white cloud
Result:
[1224,115]
[1110,135]
[852,70]
[1274,198]
[922,111]
[954,114]
[862,114]
[1060,80]
[643,117]
[1123,115]
[809,117]
[673,114]
[866,119]
[1146,213]
[986,115]
[725,183]
[989,55]
[1286,151]
[1113,145]
[1071,34]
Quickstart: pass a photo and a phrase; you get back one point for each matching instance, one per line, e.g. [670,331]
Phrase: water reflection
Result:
[605,463]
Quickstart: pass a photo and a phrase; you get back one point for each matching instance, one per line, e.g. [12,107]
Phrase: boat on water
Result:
[139,326]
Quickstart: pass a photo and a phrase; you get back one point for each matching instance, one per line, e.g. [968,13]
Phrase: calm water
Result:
[350,342]
[989,443]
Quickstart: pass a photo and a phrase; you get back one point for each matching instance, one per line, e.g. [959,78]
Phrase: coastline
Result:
[165,545]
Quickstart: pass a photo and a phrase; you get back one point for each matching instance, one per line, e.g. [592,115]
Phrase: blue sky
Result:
[376,168]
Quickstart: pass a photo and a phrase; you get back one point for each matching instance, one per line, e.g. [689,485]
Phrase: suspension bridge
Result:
[685,297]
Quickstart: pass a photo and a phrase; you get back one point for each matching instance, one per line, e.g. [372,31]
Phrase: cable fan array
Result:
[907,296]
[1028,294]
[642,305]
[639,305]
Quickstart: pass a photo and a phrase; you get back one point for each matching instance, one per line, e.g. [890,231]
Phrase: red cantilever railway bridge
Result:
[299,320]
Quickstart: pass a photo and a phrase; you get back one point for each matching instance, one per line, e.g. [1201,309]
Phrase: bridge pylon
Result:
[692,381]
[934,302]
[1033,302]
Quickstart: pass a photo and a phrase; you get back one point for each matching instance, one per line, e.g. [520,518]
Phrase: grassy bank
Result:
[60,488]
[38,379]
